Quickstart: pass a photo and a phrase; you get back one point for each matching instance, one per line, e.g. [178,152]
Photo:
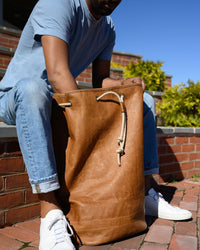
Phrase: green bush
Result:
[151,72]
[180,105]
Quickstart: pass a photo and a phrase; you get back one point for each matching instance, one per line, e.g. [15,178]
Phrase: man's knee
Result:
[33,90]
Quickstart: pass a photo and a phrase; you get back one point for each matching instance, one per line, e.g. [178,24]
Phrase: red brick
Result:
[185,228]
[16,181]
[11,199]
[3,40]
[6,62]
[86,75]
[21,214]
[9,243]
[5,57]
[194,139]
[30,197]
[102,247]
[181,140]
[191,195]
[1,219]
[1,183]
[188,148]
[187,165]
[88,80]
[3,67]
[159,234]
[13,42]
[197,164]
[179,193]
[89,69]
[194,156]
[13,164]
[197,147]
[153,246]
[132,243]
[192,206]
[175,201]
[176,148]
[20,234]
[182,157]
[11,46]
[189,173]
[183,242]
[162,222]
[30,225]
[79,79]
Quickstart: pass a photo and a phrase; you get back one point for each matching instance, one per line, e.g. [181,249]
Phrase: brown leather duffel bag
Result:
[98,137]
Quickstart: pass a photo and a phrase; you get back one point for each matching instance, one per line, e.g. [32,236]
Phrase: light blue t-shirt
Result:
[69,20]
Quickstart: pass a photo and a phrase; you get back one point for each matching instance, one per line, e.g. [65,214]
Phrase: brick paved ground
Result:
[161,234]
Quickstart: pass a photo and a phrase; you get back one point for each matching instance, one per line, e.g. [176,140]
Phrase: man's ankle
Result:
[48,202]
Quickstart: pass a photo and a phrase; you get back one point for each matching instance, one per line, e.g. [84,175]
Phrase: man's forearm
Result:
[62,83]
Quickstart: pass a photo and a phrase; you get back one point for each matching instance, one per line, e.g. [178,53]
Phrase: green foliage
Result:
[153,76]
[180,105]
[195,178]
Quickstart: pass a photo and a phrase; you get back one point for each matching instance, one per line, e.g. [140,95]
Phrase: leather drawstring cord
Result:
[65,104]
[122,138]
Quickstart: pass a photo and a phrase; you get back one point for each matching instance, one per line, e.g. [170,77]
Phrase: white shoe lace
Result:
[60,226]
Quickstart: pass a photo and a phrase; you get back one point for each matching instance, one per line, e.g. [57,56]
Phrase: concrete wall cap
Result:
[10,31]
[7,51]
[9,131]
[127,54]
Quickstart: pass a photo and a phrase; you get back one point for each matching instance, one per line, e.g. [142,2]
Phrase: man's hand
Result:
[134,80]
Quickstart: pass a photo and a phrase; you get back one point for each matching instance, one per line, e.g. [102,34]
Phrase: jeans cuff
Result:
[45,186]
[151,171]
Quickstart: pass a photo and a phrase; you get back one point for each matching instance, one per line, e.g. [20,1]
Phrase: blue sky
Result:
[162,30]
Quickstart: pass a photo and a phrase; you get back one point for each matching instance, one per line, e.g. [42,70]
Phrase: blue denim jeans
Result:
[150,140]
[28,105]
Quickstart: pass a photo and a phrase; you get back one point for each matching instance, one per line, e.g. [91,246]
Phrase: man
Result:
[60,39]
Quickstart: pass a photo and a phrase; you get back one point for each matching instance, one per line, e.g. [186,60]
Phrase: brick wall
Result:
[179,157]
[179,154]
[17,203]
[9,40]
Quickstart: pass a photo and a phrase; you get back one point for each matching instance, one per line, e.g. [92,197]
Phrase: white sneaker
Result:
[53,232]
[156,205]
